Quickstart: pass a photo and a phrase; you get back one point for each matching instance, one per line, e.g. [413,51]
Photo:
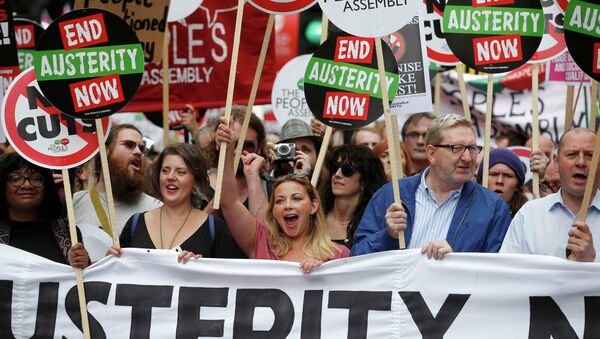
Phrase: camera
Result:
[285,151]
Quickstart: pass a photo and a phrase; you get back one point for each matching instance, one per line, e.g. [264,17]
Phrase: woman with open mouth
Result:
[295,227]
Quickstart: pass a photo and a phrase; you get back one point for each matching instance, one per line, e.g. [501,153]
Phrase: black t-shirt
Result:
[222,246]
[36,237]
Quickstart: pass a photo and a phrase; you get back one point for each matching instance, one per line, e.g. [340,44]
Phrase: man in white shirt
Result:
[548,226]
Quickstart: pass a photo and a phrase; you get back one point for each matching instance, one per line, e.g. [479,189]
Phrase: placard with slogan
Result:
[287,97]
[282,6]
[89,63]
[41,133]
[27,34]
[553,43]
[9,62]
[437,47]
[494,36]
[341,82]
[369,18]
[147,18]
[582,34]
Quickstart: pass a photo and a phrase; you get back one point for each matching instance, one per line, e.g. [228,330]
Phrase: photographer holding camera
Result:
[297,149]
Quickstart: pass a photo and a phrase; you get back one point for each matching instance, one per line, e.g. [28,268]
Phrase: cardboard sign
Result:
[89,63]
[282,6]
[41,133]
[582,35]
[147,18]
[414,92]
[341,82]
[180,9]
[563,69]
[437,47]
[553,43]
[369,18]
[493,36]
[9,62]
[27,34]
[288,100]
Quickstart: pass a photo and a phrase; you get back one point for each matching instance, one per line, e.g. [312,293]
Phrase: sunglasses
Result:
[347,168]
[131,145]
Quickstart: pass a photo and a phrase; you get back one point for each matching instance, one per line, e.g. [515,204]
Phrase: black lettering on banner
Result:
[142,299]
[592,318]
[191,300]
[45,321]
[94,291]
[433,327]
[311,314]
[247,300]
[359,303]
[547,319]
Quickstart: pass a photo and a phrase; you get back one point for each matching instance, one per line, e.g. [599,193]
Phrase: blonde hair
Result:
[318,245]
[439,125]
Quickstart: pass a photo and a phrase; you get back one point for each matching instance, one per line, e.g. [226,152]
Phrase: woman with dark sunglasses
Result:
[356,173]
[32,215]
[295,227]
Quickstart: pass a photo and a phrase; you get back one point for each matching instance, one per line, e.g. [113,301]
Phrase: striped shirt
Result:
[432,219]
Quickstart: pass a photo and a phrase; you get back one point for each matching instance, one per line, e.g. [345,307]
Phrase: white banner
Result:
[386,295]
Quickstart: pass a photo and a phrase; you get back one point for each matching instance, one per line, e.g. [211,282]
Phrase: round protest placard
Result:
[582,36]
[341,82]
[41,133]
[282,6]
[437,47]
[493,36]
[27,34]
[369,18]
[287,96]
[89,63]
[180,9]
[553,43]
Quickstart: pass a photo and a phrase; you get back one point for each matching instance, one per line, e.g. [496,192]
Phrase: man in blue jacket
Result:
[442,210]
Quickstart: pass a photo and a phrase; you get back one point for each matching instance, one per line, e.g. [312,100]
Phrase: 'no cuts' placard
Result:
[494,36]
[89,63]
[41,133]
[341,82]
[582,34]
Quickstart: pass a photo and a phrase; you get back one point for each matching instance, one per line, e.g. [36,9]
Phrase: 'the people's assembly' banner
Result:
[147,294]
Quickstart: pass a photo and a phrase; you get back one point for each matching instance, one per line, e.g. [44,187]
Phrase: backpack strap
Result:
[134,223]
[211,226]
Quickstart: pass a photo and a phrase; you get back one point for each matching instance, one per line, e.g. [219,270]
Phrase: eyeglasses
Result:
[545,186]
[348,169]
[18,180]
[416,135]
[459,149]
[131,145]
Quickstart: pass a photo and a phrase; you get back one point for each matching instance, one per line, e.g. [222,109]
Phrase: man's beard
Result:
[127,188]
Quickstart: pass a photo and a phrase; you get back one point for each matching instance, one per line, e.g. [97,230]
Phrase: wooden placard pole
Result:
[328,130]
[574,109]
[488,129]
[396,141]
[463,91]
[254,90]
[593,102]
[569,112]
[229,101]
[165,88]
[78,271]
[535,124]
[393,148]
[112,215]
[437,93]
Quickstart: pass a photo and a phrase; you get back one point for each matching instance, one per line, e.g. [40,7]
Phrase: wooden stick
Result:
[165,84]
[569,111]
[396,141]
[393,148]
[78,271]
[577,98]
[328,130]
[488,130]
[463,92]
[229,101]
[437,90]
[112,215]
[535,124]
[254,90]
[593,102]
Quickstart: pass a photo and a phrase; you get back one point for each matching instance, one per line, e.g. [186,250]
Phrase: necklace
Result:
[176,233]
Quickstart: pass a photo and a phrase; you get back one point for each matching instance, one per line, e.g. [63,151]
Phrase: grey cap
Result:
[295,129]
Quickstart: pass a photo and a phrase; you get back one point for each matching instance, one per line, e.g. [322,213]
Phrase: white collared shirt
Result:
[541,226]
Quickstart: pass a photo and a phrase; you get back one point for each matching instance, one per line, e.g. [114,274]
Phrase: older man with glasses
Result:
[442,210]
